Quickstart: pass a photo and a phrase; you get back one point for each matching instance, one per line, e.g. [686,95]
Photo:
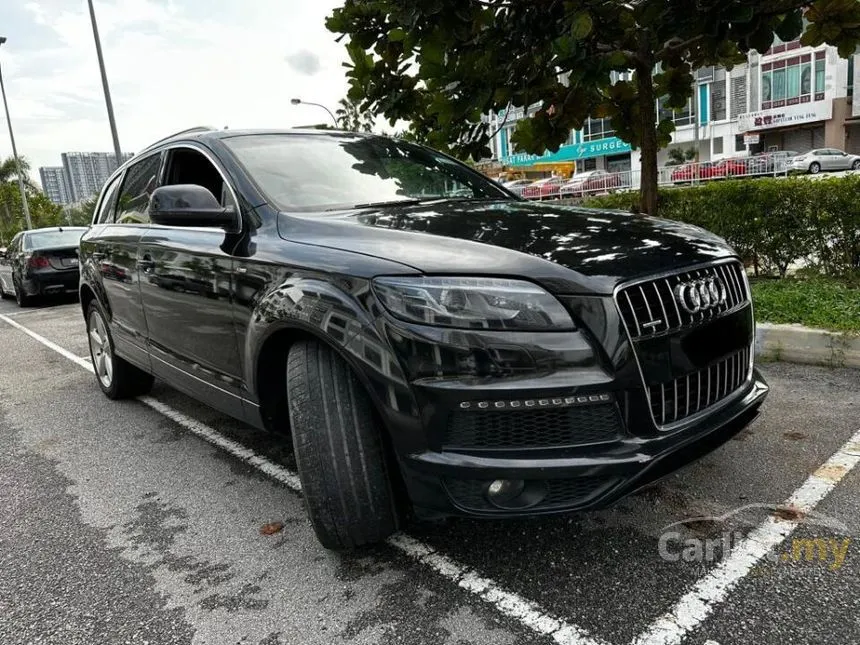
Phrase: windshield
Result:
[51,239]
[319,172]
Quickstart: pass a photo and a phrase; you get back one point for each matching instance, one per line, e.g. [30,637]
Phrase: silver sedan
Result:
[815,161]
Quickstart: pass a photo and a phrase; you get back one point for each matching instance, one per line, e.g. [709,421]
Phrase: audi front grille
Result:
[680,398]
[651,307]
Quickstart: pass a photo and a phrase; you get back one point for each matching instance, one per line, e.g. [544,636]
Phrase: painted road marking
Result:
[506,602]
[698,603]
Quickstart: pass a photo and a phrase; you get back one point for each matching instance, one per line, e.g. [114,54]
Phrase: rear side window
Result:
[140,180]
[108,204]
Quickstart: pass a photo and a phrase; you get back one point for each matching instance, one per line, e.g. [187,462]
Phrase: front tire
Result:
[814,168]
[339,450]
[856,165]
[116,377]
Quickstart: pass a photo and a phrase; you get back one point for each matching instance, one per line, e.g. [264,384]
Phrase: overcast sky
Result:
[171,64]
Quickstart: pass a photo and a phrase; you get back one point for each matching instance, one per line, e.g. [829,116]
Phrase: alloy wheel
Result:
[100,349]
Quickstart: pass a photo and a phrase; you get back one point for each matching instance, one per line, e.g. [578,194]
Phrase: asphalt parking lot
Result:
[140,522]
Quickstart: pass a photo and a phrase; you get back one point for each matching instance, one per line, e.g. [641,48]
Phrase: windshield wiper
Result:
[393,202]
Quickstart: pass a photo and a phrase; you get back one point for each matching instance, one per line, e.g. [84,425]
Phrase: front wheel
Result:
[116,377]
[814,168]
[339,450]
[856,165]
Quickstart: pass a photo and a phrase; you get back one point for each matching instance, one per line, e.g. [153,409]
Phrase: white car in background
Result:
[516,185]
[815,161]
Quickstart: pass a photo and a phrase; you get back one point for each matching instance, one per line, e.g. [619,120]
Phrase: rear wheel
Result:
[116,377]
[339,450]
[21,298]
[814,168]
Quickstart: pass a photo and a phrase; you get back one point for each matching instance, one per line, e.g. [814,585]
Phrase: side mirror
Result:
[189,205]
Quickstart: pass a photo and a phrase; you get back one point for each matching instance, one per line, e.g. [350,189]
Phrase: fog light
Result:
[503,491]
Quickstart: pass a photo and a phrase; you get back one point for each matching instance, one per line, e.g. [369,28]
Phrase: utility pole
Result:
[18,171]
[108,103]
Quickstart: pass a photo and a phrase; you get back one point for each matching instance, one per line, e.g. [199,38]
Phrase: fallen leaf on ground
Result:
[271,528]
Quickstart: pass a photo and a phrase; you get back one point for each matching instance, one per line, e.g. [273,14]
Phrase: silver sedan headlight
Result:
[472,303]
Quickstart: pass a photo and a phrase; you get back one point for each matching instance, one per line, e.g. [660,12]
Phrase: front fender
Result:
[343,317]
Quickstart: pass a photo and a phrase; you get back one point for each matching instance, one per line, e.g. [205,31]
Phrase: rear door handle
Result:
[146,263]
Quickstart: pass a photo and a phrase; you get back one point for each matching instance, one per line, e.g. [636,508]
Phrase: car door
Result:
[830,160]
[122,221]
[841,161]
[185,282]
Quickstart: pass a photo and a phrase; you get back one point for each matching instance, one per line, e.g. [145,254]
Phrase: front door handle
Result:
[97,256]
[146,263]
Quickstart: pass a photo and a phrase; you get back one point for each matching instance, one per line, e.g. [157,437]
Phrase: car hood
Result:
[567,249]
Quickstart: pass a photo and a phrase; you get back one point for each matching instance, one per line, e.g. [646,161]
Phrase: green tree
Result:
[351,117]
[82,214]
[9,172]
[443,64]
[43,211]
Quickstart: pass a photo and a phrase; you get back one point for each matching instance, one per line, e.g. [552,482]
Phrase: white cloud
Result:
[171,64]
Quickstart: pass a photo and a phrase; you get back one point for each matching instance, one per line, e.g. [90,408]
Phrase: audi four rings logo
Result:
[700,295]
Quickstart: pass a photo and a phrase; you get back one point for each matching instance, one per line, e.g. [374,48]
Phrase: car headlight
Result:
[472,303]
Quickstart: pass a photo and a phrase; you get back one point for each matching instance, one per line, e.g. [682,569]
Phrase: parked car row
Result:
[588,182]
[782,161]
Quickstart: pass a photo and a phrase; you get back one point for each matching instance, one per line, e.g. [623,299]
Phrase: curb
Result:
[799,344]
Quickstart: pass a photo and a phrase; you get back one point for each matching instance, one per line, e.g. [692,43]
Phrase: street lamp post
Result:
[299,101]
[108,102]
[18,171]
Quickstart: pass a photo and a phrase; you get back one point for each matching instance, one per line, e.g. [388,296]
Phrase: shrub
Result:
[771,222]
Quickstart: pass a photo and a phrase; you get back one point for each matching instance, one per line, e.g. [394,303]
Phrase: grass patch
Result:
[815,302]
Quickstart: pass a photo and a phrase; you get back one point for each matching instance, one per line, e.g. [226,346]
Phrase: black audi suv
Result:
[40,262]
[430,343]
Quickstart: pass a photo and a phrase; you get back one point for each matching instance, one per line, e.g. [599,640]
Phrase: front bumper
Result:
[446,483]
[573,420]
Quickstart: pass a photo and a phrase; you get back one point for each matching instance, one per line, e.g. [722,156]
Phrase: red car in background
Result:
[729,168]
[591,181]
[543,188]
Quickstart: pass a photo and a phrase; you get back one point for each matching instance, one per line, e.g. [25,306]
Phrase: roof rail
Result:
[199,128]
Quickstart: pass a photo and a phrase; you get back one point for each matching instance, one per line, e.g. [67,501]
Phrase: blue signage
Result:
[571,152]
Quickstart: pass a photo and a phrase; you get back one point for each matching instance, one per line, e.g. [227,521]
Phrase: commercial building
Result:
[86,172]
[789,98]
[53,180]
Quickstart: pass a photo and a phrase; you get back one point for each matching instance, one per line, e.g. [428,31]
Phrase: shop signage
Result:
[785,116]
[751,139]
[572,152]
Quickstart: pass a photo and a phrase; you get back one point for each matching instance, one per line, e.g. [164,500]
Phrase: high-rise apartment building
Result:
[54,184]
[86,172]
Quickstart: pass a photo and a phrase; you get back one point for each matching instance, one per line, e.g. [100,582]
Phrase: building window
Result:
[718,95]
[586,164]
[786,82]
[851,75]
[595,129]
[740,146]
[685,116]
[739,96]
[819,75]
[718,146]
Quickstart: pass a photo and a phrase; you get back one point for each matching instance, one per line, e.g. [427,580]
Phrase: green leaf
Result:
[581,25]
[396,35]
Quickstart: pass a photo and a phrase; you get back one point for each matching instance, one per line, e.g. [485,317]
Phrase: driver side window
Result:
[189,166]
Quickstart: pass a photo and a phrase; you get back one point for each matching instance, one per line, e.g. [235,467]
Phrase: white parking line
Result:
[506,602]
[698,603]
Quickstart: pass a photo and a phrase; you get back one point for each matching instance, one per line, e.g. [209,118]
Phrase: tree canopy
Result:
[351,117]
[445,64]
